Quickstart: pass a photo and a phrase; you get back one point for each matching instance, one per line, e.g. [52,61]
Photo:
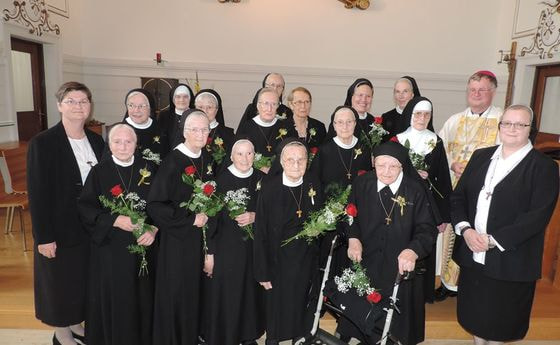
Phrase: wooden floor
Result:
[17,311]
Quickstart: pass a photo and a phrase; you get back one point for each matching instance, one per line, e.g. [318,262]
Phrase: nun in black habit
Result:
[180,256]
[273,81]
[393,229]
[181,98]
[286,272]
[359,96]
[423,142]
[140,115]
[120,299]
[220,139]
[265,130]
[404,90]
[234,299]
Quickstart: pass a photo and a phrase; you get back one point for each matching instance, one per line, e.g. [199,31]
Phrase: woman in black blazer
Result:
[58,162]
[500,209]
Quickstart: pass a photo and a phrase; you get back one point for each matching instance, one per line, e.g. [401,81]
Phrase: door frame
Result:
[52,66]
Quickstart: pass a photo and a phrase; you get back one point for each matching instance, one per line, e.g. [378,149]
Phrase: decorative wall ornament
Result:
[547,38]
[222,1]
[361,4]
[33,15]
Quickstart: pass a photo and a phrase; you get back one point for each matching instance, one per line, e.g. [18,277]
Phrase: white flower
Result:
[148,155]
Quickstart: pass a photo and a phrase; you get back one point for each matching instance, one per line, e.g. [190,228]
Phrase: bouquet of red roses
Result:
[203,199]
[132,206]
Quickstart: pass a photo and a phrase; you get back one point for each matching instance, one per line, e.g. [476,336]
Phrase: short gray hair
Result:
[294,143]
[196,113]
[522,107]
[121,126]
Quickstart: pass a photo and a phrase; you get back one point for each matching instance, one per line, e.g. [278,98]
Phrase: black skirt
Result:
[493,309]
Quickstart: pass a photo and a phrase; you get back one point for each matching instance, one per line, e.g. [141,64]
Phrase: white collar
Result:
[399,110]
[286,182]
[362,116]
[485,113]
[185,150]
[214,124]
[180,112]
[261,123]
[517,155]
[144,125]
[393,186]
[421,142]
[121,163]
[237,173]
[346,146]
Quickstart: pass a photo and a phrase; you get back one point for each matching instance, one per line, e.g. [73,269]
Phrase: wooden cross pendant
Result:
[299,212]
[269,148]
[388,220]
[349,175]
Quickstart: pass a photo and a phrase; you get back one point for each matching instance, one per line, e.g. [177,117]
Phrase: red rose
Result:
[190,170]
[395,139]
[116,190]
[351,210]
[314,150]
[361,172]
[209,141]
[378,120]
[208,189]
[374,297]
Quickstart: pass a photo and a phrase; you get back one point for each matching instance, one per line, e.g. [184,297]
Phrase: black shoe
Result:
[81,338]
[442,293]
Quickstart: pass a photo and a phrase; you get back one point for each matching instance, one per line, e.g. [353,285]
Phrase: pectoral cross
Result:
[488,195]
[299,213]
[349,175]
[269,148]
[465,152]
[388,220]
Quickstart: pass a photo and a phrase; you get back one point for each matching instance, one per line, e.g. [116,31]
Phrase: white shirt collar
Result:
[399,110]
[179,112]
[517,155]
[393,186]
[286,182]
[362,116]
[261,123]
[144,125]
[421,142]
[185,150]
[121,163]
[214,124]
[346,146]
[485,113]
[237,173]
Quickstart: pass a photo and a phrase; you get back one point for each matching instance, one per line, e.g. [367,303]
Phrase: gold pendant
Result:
[269,148]
[349,175]
[299,212]
[388,220]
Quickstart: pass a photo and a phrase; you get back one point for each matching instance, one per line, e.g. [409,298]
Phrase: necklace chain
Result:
[299,211]
[349,169]
[388,218]
[126,187]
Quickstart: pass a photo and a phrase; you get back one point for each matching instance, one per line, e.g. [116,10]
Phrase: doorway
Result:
[29,87]
[546,103]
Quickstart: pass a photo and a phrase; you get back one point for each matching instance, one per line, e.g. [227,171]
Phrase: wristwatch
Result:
[491,242]
[463,229]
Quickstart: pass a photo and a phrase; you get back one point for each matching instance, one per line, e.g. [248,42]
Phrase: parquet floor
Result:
[17,311]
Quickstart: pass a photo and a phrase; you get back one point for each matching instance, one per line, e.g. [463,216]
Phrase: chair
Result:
[13,195]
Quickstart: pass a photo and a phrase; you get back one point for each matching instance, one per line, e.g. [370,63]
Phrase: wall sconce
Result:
[159,61]
[505,56]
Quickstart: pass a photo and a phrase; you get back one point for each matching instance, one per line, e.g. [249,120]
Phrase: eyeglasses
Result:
[138,106]
[483,90]
[198,130]
[207,108]
[274,86]
[292,162]
[514,125]
[425,115]
[344,123]
[300,103]
[71,102]
[403,92]
[384,167]
[268,104]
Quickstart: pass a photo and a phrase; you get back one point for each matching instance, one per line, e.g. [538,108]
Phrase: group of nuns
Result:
[206,279]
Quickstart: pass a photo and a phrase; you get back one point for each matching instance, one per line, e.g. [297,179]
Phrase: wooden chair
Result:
[13,194]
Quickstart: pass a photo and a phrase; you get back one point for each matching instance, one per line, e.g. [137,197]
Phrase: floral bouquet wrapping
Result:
[132,206]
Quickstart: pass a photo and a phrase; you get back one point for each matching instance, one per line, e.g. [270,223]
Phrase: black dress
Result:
[315,134]
[152,142]
[382,244]
[54,184]
[120,302]
[226,135]
[180,257]
[265,139]
[391,123]
[235,300]
[292,268]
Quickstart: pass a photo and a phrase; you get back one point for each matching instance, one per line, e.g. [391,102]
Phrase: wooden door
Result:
[29,87]
[546,103]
